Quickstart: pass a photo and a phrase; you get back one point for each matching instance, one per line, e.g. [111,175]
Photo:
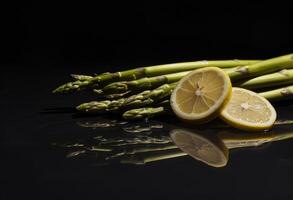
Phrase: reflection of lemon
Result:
[200,95]
[212,152]
[248,111]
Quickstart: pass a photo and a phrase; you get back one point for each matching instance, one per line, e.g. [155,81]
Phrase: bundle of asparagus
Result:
[152,86]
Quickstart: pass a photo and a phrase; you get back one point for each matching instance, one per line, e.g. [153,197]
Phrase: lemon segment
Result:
[201,94]
[248,110]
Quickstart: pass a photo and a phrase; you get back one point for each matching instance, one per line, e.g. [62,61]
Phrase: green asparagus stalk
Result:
[141,84]
[260,68]
[147,112]
[112,96]
[137,73]
[283,77]
[79,77]
[140,113]
[278,94]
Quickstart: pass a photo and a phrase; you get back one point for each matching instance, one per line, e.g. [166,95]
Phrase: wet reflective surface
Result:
[49,152]
[146,141]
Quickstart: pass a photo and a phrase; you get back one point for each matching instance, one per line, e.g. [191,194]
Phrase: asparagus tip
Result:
[93,106]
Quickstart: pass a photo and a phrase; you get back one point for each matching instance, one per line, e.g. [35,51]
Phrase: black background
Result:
[43,42]
[121,33]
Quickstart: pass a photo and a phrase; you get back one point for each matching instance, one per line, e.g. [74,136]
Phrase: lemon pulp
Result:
[200,94]
[248,110]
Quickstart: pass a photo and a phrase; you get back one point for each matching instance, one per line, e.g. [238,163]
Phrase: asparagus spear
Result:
[141,84]
[112,96]
[79,77]
[283,77]
[146,112]
[142,99]
[140,113]
[279,94]
[137,73]
[263,67]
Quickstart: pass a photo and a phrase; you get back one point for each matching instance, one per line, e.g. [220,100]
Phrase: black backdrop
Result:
[127,33]
[42,43]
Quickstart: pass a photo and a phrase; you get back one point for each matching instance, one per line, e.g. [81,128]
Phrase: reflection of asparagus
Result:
[139,113]
[151,148]
[100,123]
[139,139]
[231,140]
[141,149]
[98,149]
[229,137]
[151,71]
[140,159]
[75,153]
[236,139]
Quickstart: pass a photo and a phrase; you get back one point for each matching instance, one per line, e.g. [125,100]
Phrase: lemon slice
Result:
[200,95]
[248,110]
[211,151]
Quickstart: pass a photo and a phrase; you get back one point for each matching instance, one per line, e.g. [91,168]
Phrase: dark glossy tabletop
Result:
[48,151]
